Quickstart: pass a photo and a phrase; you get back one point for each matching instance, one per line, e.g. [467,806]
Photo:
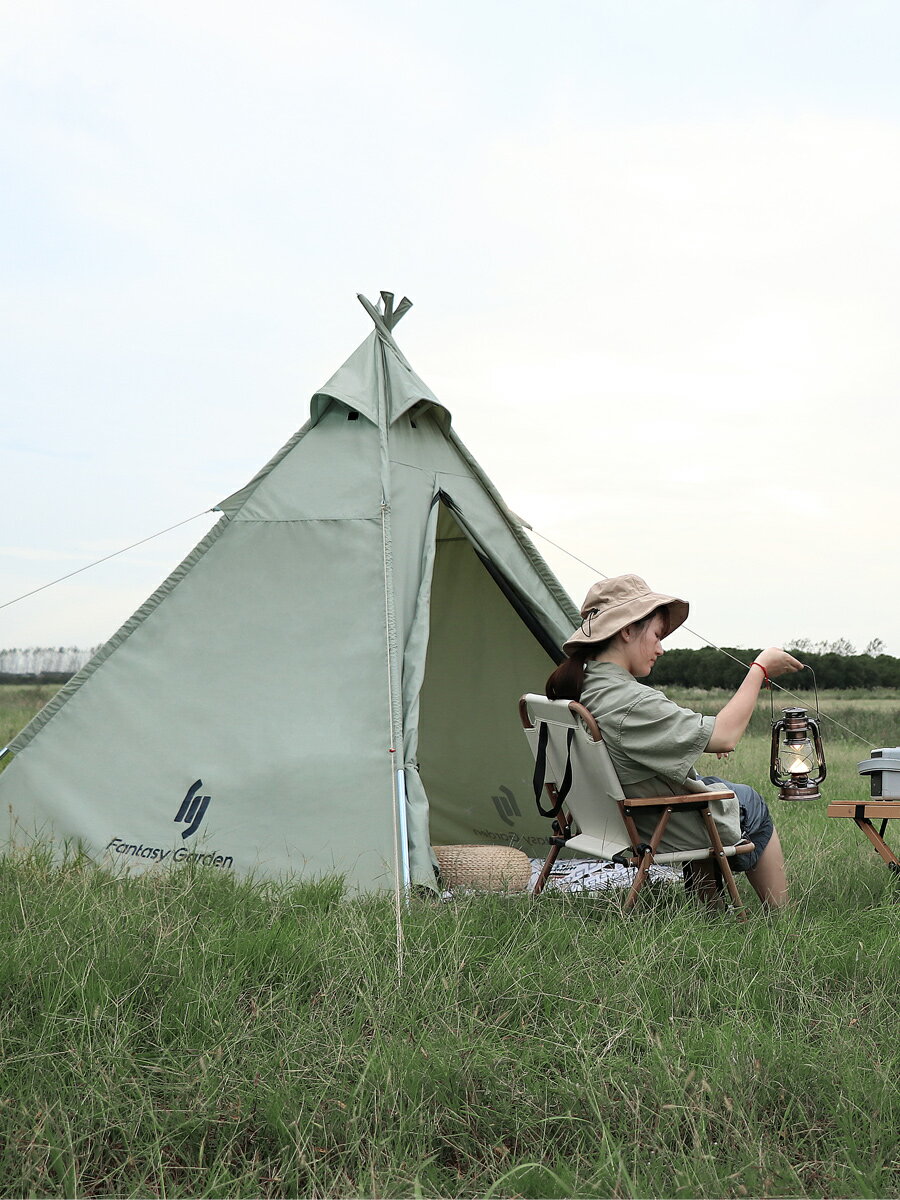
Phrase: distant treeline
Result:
[706,668]
[709,668]
[42,664]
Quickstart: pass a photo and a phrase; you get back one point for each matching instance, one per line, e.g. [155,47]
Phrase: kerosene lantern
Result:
[798,761]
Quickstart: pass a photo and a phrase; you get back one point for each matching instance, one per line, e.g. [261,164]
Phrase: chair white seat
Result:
[598,847]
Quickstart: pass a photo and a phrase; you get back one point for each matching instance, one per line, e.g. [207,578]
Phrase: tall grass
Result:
[188,1034]
[185,1034]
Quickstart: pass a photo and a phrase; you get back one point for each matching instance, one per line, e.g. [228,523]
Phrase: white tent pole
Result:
[398,780]
[404,836]
[398,783]
[401,843]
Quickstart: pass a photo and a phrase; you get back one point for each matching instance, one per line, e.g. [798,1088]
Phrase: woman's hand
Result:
[777,661]
[735,716]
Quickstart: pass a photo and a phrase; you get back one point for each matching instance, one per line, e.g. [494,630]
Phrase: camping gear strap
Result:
[540,768]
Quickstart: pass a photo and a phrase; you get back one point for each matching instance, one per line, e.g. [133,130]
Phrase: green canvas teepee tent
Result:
[328,681]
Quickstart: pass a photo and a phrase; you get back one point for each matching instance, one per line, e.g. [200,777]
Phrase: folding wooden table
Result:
[865,814]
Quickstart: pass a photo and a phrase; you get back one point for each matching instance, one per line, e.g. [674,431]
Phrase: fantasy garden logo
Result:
[190,812]
[193,809]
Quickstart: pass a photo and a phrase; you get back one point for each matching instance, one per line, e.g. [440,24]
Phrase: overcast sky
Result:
[653,248]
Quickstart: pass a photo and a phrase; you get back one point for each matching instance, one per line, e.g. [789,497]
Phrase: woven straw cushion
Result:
[483,868]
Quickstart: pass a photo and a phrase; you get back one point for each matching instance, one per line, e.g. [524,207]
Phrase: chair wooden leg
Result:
[564,823]
[544,875]
[733,892]
[721,861]
[647,859]
[643,869]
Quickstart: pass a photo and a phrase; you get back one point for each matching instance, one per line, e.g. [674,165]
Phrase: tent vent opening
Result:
[352,416]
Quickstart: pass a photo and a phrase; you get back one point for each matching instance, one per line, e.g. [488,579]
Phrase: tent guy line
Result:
[106,558]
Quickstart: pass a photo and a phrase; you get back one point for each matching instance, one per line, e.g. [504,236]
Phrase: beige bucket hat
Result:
[614,603]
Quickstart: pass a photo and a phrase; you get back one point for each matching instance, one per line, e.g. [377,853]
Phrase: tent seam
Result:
[300,520]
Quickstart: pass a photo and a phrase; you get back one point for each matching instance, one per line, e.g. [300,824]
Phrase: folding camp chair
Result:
[590,812]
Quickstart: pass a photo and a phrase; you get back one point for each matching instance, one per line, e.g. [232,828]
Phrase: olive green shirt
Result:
[653,744]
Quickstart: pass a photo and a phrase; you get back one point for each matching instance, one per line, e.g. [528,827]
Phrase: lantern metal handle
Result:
[806,667]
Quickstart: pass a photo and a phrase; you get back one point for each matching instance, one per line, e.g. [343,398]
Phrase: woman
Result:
[654,743]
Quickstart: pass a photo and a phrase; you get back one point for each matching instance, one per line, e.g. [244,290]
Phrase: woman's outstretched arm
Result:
[735,716]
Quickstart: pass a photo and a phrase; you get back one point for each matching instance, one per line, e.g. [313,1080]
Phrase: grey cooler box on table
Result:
[883,769]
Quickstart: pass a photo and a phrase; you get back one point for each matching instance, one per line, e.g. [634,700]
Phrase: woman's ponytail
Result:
[567,681]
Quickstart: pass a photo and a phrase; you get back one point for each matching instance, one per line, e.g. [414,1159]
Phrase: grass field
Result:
[186,1034]
[18,704]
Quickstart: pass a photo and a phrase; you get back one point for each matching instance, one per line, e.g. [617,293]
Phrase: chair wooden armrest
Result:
[676,801]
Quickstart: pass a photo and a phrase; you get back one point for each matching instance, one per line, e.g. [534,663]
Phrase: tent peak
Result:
[385,315]
[378,368]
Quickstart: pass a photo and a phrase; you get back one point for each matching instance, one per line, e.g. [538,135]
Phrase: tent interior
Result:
[473,760]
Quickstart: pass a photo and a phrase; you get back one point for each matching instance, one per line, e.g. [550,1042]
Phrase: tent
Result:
[327,683]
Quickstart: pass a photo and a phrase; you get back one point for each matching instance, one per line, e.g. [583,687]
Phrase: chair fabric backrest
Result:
[595,789]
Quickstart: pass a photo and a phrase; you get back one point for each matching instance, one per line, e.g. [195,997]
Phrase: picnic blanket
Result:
[589,874]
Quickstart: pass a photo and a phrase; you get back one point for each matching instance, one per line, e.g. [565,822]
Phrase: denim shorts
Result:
[756,823]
